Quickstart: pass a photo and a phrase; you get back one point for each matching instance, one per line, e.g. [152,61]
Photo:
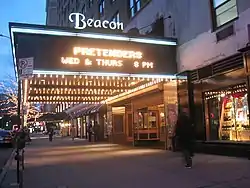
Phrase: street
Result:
[4,156]
[77,164]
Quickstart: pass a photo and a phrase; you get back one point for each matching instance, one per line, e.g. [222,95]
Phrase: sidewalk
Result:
[78,164]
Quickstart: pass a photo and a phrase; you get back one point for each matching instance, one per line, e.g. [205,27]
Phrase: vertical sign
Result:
[25,67]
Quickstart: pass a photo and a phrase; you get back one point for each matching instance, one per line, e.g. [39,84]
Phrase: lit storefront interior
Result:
[218,99]
[125,84]
[228,114]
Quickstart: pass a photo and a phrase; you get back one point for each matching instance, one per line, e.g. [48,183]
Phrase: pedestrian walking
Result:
[96,131]
[61,133]
[51,134]
[72,132]
[90,131]
[186,135]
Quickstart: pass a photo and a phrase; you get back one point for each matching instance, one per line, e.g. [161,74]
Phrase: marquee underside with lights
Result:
[74,67]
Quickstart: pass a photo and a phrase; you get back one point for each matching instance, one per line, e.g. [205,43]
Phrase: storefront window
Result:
[228,114]
[147,120]
[142,120]
[152,120]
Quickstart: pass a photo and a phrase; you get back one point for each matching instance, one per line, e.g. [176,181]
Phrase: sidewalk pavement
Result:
[4,155]
[78,164]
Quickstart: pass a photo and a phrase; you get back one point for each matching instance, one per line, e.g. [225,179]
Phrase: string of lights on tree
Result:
[9,99]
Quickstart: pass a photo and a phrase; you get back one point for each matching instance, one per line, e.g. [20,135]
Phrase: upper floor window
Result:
[77,4]
[91,2]
[116,17]
[136,5]
[84,9]
[224,11]
[101,8]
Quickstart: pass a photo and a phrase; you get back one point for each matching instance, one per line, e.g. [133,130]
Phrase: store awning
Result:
[75,108]
[90,109]
[96,108]
[53,116]
[83,111]
[61,116]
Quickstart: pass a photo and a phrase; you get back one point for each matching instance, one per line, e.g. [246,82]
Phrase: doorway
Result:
[148,125]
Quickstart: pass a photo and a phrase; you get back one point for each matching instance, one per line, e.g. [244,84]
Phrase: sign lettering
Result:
[107,58]
[25,66]
[70,60]
[80,22]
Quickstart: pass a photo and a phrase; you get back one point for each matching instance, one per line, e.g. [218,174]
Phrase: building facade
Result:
[51,12]
[210,35]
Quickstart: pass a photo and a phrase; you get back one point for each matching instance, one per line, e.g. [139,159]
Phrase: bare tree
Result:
[9,99]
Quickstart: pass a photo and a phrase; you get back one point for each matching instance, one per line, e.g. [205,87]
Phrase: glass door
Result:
[154,124]
[214,118]
[148,125]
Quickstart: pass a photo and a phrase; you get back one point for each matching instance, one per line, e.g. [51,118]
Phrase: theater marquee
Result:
[92,52]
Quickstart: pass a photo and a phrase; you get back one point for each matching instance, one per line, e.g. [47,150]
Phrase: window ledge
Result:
[132,18]
[225,33]
[217,29]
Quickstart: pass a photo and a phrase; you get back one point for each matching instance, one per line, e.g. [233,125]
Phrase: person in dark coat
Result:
[51,134]
[186,135]
[90,131]
[97,131]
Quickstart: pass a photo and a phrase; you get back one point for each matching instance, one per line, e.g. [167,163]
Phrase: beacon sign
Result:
[80,22]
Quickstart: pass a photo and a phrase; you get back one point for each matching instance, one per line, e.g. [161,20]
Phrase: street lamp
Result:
[1,35]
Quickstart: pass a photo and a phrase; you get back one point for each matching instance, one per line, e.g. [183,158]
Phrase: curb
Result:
[6,167]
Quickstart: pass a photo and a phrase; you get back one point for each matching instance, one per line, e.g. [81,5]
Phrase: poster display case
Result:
[148,124]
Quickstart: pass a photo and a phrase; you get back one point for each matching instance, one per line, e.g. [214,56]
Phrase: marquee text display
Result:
[107,58]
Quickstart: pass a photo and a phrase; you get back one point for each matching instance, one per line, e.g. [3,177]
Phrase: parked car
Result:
[6,137]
